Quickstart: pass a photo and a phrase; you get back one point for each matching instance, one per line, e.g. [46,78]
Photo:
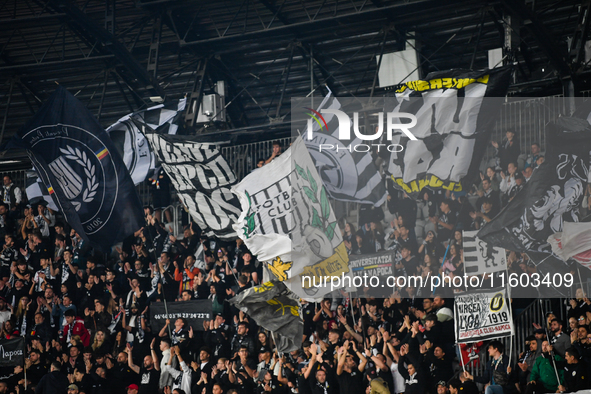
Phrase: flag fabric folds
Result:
[37,192]
[287,221]
[552,196]
[348,175]
[480,257]
[455,111]
[574,241]
[202,179]
[131,143]
[83,173]
[272,308]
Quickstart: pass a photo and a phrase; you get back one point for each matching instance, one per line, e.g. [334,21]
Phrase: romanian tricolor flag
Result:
[50,190]
[102,153]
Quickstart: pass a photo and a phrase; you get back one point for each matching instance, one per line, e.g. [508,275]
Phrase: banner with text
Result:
[12,352]
[481,316]
[371,273]
[194,312]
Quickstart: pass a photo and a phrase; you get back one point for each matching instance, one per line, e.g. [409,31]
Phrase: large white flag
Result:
[287,221]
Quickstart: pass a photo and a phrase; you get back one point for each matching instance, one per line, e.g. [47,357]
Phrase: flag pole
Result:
[25,371]
[548,338]
[461,357]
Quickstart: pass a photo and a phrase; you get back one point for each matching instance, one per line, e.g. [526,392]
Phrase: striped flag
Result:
[37,192]
[481,257]
[348,175]
[131,143]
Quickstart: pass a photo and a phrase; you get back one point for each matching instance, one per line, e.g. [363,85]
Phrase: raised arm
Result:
[130,363]
[154,355]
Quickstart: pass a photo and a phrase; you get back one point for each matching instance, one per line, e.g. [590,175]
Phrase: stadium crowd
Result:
[85,314]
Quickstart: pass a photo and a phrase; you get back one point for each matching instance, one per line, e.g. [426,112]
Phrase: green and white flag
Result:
[288,222]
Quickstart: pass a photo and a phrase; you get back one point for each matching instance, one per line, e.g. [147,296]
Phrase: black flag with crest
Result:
[552,196]
[82,171]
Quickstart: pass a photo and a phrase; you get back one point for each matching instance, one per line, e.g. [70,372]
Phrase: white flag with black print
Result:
[37,191]
[131,142]
[348,175]
[455,111]
[202,179]
[481,257]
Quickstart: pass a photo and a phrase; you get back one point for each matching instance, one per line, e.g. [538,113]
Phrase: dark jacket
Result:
[53,383]
[490,368]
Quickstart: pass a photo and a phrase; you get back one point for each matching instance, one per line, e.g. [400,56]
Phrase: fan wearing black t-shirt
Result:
[349,374]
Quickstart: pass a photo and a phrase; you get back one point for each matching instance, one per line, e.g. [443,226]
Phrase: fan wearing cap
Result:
[132,389]
[267,383]
[442,387]
[265,360]
[72,389]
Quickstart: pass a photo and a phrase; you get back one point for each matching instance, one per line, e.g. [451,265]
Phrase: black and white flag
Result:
[202,179]
[348,175]
[37,192]
[480,257]
[482,315]
[131,143]
[553,194]
[455,111]
[84,175]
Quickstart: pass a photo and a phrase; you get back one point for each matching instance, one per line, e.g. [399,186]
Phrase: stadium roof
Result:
[116,55]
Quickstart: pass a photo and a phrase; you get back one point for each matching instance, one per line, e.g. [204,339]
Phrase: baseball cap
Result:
[265,349]
[442,383]
[72,387]
[133,387]
[262,374]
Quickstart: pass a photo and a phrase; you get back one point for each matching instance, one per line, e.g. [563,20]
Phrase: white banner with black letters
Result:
[482,315]
[202,179]
[481,257]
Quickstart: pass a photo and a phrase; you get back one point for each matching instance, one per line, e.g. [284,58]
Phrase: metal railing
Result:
[524,327]
[243,158]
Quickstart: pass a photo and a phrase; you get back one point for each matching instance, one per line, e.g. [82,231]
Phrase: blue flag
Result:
[82,171]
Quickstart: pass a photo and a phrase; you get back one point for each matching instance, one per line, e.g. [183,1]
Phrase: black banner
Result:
[378,265]
[194,312]
[203,181]
[552,196]
[82,171]
[12,352]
